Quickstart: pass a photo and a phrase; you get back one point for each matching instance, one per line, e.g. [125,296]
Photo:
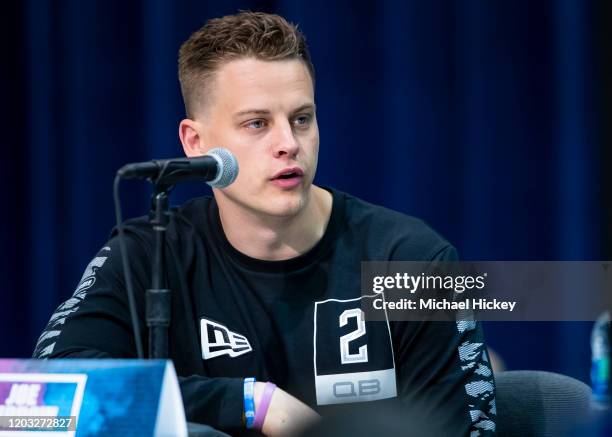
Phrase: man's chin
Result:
[286,208]
[286,204]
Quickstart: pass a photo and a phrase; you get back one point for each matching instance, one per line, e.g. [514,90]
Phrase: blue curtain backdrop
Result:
[479,117]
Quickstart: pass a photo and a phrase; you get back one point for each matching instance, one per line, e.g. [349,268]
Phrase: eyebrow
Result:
[310,106]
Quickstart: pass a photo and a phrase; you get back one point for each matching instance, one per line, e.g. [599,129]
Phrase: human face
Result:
[264,113]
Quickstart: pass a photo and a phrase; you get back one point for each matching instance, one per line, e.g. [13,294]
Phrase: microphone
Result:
[218,168]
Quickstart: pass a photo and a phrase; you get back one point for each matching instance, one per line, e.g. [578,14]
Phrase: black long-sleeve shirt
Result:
[296,322]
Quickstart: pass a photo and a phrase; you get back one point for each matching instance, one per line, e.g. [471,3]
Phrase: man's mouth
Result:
[289,173]
[288,177]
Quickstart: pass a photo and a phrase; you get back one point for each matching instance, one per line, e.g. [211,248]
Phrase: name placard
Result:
[90,397]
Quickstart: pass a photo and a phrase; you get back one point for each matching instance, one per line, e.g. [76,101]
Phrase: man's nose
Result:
[285,142]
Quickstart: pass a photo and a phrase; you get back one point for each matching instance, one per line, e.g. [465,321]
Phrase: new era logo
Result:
[218,340]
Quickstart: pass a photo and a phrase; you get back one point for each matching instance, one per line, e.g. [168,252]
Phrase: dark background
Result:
[490,120]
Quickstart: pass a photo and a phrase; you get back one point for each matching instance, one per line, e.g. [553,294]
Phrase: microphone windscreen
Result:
[228,167]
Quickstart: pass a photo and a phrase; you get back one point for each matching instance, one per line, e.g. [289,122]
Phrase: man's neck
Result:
[279,238]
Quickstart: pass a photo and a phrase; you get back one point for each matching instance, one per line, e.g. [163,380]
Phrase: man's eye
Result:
[256,124]
[302,120]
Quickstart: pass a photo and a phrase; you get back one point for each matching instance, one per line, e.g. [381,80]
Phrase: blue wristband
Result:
[249,402]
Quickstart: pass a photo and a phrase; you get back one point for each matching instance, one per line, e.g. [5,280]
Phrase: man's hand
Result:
[286,416]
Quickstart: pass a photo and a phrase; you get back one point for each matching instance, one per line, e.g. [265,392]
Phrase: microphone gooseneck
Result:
[218,168]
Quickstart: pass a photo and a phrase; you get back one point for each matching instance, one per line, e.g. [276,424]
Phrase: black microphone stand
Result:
[158,297]
[219,168]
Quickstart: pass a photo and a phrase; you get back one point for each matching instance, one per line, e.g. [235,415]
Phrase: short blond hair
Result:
[267,37]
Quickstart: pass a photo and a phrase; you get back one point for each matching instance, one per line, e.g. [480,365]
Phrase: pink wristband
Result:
[264,404]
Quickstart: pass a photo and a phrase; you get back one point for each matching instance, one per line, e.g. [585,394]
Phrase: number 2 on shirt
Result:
[362,355]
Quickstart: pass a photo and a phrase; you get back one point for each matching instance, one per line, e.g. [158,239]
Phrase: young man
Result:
[266,275]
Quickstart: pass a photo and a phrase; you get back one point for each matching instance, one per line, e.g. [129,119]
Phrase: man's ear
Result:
[189,133]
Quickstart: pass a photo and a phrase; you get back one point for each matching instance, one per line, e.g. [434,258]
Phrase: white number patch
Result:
[362,355]
[362,369]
